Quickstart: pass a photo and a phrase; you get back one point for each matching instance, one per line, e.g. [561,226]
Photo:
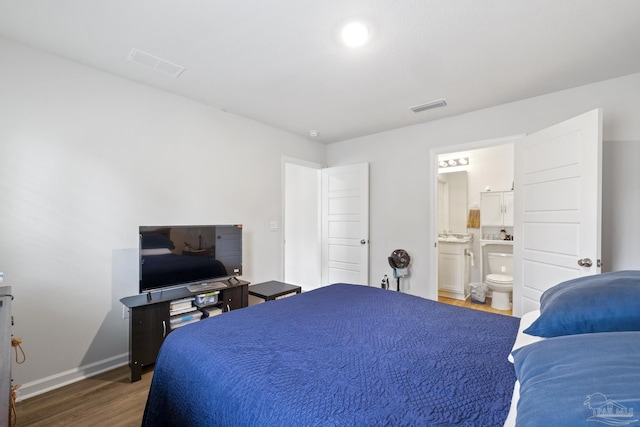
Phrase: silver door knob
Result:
[363,242]
[585,262]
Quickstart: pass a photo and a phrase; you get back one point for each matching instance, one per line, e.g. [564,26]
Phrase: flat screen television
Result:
[180,255]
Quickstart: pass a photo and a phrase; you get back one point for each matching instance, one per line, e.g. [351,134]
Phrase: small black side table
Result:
[272,290]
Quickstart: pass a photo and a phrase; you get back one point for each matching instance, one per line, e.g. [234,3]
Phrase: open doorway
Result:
[461,249]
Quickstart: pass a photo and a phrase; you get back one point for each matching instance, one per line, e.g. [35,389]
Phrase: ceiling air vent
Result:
[158,64]
[429,105]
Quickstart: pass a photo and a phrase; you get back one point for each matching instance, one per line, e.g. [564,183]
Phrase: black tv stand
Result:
[149,319]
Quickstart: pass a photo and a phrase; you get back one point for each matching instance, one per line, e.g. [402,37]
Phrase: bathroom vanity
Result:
[454,257]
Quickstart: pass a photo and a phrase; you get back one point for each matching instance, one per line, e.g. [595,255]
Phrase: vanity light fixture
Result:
[450,163]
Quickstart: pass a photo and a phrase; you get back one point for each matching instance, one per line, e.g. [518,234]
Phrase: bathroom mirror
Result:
[452,202]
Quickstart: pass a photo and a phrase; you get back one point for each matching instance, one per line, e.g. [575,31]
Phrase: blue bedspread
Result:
[342,355]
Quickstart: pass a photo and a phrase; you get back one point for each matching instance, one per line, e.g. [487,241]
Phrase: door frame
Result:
[432,291]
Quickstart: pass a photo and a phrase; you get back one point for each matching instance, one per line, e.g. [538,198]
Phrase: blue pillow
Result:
[570,380]
[607,302]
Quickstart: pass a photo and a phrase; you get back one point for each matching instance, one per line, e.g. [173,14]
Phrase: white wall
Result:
[401,167]
[621,204]
[85,158]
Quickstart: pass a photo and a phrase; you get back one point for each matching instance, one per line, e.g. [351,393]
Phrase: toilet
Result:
[500,279]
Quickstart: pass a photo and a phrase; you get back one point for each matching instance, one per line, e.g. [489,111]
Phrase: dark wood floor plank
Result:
[107,399]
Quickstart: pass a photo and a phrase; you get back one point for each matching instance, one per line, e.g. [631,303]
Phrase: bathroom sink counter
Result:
[455,238]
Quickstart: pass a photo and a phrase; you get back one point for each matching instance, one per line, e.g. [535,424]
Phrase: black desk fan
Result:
[399,261]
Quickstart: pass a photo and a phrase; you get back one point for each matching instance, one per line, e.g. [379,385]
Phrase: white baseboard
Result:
[53,382]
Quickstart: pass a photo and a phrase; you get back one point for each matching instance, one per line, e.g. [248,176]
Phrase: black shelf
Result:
[149,320]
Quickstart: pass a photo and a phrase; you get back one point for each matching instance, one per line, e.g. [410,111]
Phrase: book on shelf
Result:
[183,310]
[181,300]
[194,315]
[213,311]
[179,325]
[181,304]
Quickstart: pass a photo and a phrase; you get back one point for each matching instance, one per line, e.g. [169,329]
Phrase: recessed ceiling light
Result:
[314,133]
[355,34]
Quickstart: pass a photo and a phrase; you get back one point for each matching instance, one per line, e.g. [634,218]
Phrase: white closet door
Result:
[345,224]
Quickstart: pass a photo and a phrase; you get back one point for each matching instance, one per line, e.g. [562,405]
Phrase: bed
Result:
[341,355]
[349,355]
[576,359]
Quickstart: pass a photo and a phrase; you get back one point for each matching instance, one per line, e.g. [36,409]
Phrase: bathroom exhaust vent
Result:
[152,61]
[429,105]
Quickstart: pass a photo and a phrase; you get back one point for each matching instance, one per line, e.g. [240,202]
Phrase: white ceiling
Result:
[281,62]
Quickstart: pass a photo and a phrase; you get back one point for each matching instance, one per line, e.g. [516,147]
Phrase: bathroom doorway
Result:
[487,165]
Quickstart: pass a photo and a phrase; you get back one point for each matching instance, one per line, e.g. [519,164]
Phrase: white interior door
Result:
[557,207]
[345,224]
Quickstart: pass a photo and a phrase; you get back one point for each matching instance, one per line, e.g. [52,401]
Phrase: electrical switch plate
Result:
[274,225]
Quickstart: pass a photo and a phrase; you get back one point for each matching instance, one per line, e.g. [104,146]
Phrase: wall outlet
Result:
[125,312]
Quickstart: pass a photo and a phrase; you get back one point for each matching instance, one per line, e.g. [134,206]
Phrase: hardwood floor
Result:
[107,399]
[467,303]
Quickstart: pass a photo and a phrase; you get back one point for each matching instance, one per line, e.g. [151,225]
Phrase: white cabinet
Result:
[453,271]
[496,208]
